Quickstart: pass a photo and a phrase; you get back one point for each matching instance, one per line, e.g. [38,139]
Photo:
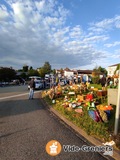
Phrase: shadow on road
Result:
[16,107]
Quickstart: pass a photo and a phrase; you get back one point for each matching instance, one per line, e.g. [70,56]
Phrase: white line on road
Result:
[18,95]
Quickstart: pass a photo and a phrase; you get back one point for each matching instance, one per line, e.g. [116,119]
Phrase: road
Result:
[26,126]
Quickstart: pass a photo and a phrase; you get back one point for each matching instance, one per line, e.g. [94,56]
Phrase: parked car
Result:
[38,84]
[3,84]
[15,82]
[62,82]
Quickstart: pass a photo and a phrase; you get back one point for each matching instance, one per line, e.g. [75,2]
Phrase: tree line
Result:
[8,74]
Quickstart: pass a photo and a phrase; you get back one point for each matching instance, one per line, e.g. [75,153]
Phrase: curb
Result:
[92,140]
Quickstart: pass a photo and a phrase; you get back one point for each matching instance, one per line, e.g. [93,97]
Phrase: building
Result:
[65,73]
[86,75]
[68,73]
[111,69]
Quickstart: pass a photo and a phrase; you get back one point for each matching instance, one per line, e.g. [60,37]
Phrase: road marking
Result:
[18,95]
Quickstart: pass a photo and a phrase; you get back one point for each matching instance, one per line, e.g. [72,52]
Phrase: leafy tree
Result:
[118,67]
[62,71]
[47,68]
[41,72]
[25,68]
[54,71]
[7,74]
[33,72]
[23,75]
[99,70]
[30,68]
[102,70]
[96,80]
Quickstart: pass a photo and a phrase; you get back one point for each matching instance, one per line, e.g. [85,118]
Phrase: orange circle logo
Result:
[53,148]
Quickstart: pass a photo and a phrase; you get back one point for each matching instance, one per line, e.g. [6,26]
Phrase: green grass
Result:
[100,130]
[96,129]
[96,86]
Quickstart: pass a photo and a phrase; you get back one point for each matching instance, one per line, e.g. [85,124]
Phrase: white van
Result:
[38,82]
[35,77]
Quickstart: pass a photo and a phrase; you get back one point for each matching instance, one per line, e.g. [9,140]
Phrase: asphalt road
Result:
[26,126]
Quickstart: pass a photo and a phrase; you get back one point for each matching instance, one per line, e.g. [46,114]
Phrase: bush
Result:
[95,80]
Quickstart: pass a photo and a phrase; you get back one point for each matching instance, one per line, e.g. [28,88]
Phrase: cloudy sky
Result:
[78,34]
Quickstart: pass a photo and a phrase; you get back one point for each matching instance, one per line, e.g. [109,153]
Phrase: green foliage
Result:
[96,86]
[7,74]
[23,75]
[95,80]
[33,72]
[41,72]
[47,68]
[100,70]
[30,68]
[25,68]
[53,71]
[118,67]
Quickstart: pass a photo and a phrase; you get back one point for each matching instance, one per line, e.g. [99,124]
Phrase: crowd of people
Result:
[108,81]
[55,84]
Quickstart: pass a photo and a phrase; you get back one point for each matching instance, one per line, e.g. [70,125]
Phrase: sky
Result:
[78,34]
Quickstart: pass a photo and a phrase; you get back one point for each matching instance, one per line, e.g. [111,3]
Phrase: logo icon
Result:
[53,148]
[108,151]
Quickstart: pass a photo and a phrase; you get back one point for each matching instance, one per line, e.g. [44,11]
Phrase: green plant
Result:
[95,80]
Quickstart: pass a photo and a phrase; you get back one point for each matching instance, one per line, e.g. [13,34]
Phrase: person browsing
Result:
[32,87]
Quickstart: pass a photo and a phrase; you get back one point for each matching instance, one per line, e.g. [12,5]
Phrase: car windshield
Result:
[37,82]
[35,77]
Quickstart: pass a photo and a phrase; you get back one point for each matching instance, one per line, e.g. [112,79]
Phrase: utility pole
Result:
[117,108]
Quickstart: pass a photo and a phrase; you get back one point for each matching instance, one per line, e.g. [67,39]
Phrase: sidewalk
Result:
[94,141]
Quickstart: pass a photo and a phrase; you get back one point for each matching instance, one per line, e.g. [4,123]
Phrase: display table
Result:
[101,93]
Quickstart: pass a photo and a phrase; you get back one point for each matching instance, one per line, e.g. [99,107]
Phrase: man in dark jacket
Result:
[103,82]
[32,87]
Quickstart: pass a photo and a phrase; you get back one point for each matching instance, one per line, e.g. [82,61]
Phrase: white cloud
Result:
[15,60]
[3,13]
[117,53]
[105,25]
[76,32]
[117,43]
[36,31]
[96,38]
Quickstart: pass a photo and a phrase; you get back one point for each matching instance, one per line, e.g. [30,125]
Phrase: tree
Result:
[96,72]
[54,71]
[25,68]
[33,72]
[95,80]
[23,75]
[62,71]
[41,72]
[47,68]
[100,70]
[117,68]
[7,74]
[30,68]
